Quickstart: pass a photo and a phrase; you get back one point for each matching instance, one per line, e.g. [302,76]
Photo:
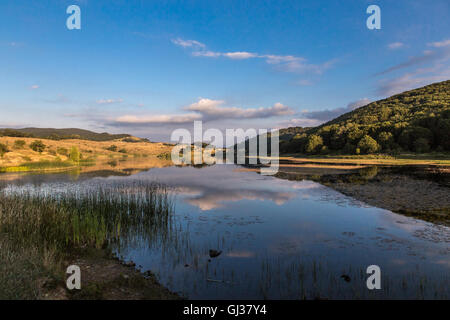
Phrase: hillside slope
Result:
[19,151]
[413,121]
[61,134]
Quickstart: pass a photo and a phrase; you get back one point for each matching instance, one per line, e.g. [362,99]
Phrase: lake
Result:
[277,239]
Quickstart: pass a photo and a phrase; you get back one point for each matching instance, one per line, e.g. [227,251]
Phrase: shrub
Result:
[421,145]
[349,148]
[37,146]
[62,151]
[112,148]
[75,155]
[314,144]
[123,151]
[19,144]
[368,145]
[386,140]
[410,135]
[3,149]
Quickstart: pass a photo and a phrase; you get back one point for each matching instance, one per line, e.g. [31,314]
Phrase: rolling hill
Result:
[61,134]
[413,121]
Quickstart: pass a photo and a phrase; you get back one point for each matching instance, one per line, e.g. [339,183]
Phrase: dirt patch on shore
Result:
[418,192]
[421,199]
[104,277]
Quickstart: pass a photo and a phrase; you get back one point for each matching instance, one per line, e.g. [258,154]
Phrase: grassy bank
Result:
[441,159]
[31,154]
[45,165]
[43,231]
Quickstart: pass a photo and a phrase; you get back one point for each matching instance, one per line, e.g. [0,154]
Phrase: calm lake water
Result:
[279,239]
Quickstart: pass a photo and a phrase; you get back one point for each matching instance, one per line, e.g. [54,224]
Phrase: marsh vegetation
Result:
[42,227]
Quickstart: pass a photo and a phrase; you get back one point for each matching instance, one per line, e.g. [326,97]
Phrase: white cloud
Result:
[299,122]
[434,67]
[358,103]
[158,119]
[329,114]
[34,87]
[109,101]
[275,59]
[308,118]
[239,55]
[209,54]
[299,65]
[206,110]
[411,80]
[212,109]
[440,54]
[286,63]
[396,45]
[187,43]
[440,44]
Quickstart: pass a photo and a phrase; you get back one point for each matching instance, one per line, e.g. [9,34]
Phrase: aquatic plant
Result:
[83,215]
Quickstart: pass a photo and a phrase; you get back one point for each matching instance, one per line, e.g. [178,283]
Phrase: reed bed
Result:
[84,215]
[41,226]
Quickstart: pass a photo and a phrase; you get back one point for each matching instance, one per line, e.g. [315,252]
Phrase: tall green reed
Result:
[86,215]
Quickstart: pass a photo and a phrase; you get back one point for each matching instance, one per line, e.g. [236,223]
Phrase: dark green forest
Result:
[61,134]
[414,121]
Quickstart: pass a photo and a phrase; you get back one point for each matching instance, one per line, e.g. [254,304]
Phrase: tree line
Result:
[414,121]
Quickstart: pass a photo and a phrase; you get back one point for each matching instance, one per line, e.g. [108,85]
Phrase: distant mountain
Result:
[413,121]
[60,134]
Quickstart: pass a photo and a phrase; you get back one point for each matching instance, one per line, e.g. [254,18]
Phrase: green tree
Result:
[421,145]
[386,140]
[3,149]
[62,151]
[112,148]
[37,146]
[74,154]
[368,145]
[19,144]
[349,148]
[410,135]
[355,134]
[314,144]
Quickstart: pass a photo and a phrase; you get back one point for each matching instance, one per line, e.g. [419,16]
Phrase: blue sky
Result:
[147,67]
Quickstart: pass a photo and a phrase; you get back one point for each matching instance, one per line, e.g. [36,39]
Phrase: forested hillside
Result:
[413,121]
[61,134]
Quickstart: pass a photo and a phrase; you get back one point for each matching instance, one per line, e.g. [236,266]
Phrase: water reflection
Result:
[289,239]
[283,239]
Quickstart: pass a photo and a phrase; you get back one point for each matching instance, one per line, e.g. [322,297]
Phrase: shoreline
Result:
[40,237]
[106,277]
[422,195]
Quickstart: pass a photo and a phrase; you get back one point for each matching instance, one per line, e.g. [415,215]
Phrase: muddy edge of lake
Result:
[105,277]
[422,193]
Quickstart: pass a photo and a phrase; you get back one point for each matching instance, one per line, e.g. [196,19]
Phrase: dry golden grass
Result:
[89,149]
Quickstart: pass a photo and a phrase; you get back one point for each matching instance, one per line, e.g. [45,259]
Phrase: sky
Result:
[149,67]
